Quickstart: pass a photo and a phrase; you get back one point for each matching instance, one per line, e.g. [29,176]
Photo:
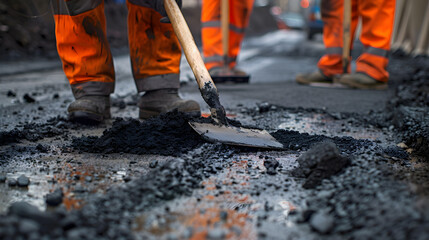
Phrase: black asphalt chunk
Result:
[320,162]
[11,93]
[28,99]
[271,165]
[169,134]
[55,198]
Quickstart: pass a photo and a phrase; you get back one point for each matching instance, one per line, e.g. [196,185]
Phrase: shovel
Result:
[221,131]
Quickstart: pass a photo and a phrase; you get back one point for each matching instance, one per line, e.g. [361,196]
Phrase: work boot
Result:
[89,109]
[155,102]
[226,75]
[223,71]
[239,72]
[362,81]
[315,77]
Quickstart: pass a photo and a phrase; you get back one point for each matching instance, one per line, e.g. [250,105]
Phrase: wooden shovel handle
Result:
[224,16]
[205,83]
[347,17]
[188,44]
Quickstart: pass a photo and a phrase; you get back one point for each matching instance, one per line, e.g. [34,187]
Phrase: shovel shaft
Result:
[225,30]
[205,83]
[347,16]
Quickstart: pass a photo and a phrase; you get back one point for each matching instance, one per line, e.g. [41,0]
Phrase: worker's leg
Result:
[239,19]
[155,59]
[154,49]
[330,64]
[211,34]
[211,31]
[377,26]
[80,31]
[332,15]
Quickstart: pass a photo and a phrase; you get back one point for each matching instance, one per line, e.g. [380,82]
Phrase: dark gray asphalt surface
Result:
[366,179]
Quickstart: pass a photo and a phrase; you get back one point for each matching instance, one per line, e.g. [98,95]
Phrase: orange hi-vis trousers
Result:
[80,29]
[377,25]
[211,32]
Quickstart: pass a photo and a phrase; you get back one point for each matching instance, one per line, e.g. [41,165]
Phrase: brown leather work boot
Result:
[89,109]
[155,102]
[362,81]
[315,77]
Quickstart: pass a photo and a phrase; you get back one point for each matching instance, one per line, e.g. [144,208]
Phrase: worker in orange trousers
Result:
[80,29]
[211,33]
[377,19]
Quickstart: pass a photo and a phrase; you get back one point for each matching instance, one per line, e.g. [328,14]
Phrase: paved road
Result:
[230,192]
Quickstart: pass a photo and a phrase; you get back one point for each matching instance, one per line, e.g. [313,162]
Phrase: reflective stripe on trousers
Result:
[211,32]
[377,26]
[80,30]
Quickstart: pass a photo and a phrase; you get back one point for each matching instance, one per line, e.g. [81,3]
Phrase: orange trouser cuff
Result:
[330,65]
[374,66]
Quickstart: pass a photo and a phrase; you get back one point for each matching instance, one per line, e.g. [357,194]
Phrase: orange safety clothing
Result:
[211,32]
[80,29]
[377,19]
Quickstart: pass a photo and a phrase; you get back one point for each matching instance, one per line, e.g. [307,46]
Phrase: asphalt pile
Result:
[408,111]
[169,134]
[365,201]
[410,108]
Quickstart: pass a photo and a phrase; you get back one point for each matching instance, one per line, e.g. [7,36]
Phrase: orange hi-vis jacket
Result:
[211,32]
[377,19]
[80,29]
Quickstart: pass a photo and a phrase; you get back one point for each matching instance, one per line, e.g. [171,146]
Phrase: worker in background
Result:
[377,19]
[211,33]
[80,29]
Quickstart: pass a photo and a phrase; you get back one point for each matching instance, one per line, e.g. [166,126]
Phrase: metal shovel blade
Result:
[236,135]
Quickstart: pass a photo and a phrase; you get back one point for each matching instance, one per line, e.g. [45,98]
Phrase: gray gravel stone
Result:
[2,178]
[11,182]
[216,234]
[28,226]
[322,222]
[23,181]
[55,198]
